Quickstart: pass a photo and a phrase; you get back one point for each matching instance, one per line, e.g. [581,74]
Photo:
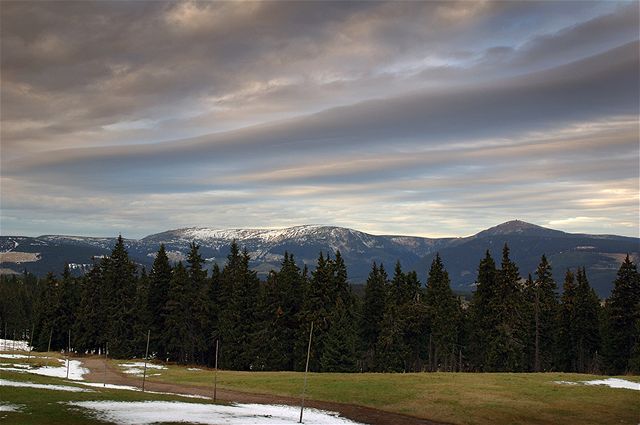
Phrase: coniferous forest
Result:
[511,323]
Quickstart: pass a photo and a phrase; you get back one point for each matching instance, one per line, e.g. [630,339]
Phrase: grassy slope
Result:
[42,406]
[461,398]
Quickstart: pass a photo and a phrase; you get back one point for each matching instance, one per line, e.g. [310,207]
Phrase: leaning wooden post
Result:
[49,346]
[215,374]
[146,354]
[68,353]
[306,371]
[106,349]
[30,347]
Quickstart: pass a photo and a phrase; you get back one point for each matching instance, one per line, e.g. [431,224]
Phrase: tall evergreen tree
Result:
[198,304]
[542,299]
[483,313]
[587,327]
[372,313]
[566,354]
[622,313]
[159,279]
[176,327]
[142,314]
[119,280]
[90,318]
[444,317]
[281,300]
[239,319]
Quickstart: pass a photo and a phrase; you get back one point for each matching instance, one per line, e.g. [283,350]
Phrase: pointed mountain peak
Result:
[518,227]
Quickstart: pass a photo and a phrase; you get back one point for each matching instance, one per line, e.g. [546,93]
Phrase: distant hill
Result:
[600,254]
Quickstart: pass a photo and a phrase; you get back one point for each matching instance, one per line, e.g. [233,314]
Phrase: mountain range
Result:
[600,254]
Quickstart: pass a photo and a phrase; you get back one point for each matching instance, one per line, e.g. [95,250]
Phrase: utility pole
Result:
[537,359]
[30,347]
[106,348]
[146,354]
[215,374]
[306,371]
[49,346]
[68,353]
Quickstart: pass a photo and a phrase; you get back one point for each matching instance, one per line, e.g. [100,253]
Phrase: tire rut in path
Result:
[367,415]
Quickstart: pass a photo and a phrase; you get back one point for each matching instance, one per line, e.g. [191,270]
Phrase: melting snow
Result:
[130,388]
[10,407]
[610,382]
[6,383]
[76,371]
[14,356]
[150,412]
[138,368]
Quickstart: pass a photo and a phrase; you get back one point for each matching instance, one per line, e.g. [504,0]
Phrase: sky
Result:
[411,118]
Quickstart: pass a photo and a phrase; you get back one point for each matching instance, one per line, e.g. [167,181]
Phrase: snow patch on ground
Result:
[10,407]
[76,371]
[14,356]
[193,368]
[110,386]
[150,412]
[130,388]
[609,382]
[7,383]
[137,368]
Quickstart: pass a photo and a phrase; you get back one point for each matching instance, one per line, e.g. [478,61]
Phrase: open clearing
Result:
[426,398]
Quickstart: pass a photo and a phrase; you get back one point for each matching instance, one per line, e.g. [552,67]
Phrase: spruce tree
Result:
[444,317]
[176,327]
[142,314]
[566,354]
[89,329]
[541,293]
[622,313]
[339,348]
[159,279]
[372,313]
[239,319]
[483,314]
[196,294]
[119,280]
[586,327]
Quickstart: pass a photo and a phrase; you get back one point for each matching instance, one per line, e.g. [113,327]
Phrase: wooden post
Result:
[146,354]
[460,360]
[536,366]
[49,346]
[33,327]
[215,374]
[106,349]
[68,353]
[306,371]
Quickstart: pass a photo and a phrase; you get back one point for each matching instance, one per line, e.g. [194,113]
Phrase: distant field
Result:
[461,398]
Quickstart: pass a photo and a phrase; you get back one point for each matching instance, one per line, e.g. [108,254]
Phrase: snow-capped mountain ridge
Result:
[266,247]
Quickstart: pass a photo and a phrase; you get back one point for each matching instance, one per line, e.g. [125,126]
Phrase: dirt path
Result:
[362,414]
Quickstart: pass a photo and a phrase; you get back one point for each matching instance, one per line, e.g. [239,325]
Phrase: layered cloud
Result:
[413,118]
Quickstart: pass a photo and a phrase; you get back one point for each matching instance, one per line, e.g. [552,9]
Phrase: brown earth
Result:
[361,414]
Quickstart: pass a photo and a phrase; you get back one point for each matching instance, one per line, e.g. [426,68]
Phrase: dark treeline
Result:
[511,323]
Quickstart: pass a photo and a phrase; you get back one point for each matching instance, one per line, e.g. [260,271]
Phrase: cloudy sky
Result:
[416,118]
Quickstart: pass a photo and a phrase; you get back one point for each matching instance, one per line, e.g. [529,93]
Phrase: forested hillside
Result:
[510,323]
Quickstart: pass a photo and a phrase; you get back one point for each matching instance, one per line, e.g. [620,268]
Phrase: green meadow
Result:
[460,398]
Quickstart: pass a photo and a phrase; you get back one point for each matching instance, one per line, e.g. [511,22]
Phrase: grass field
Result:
[461,398]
